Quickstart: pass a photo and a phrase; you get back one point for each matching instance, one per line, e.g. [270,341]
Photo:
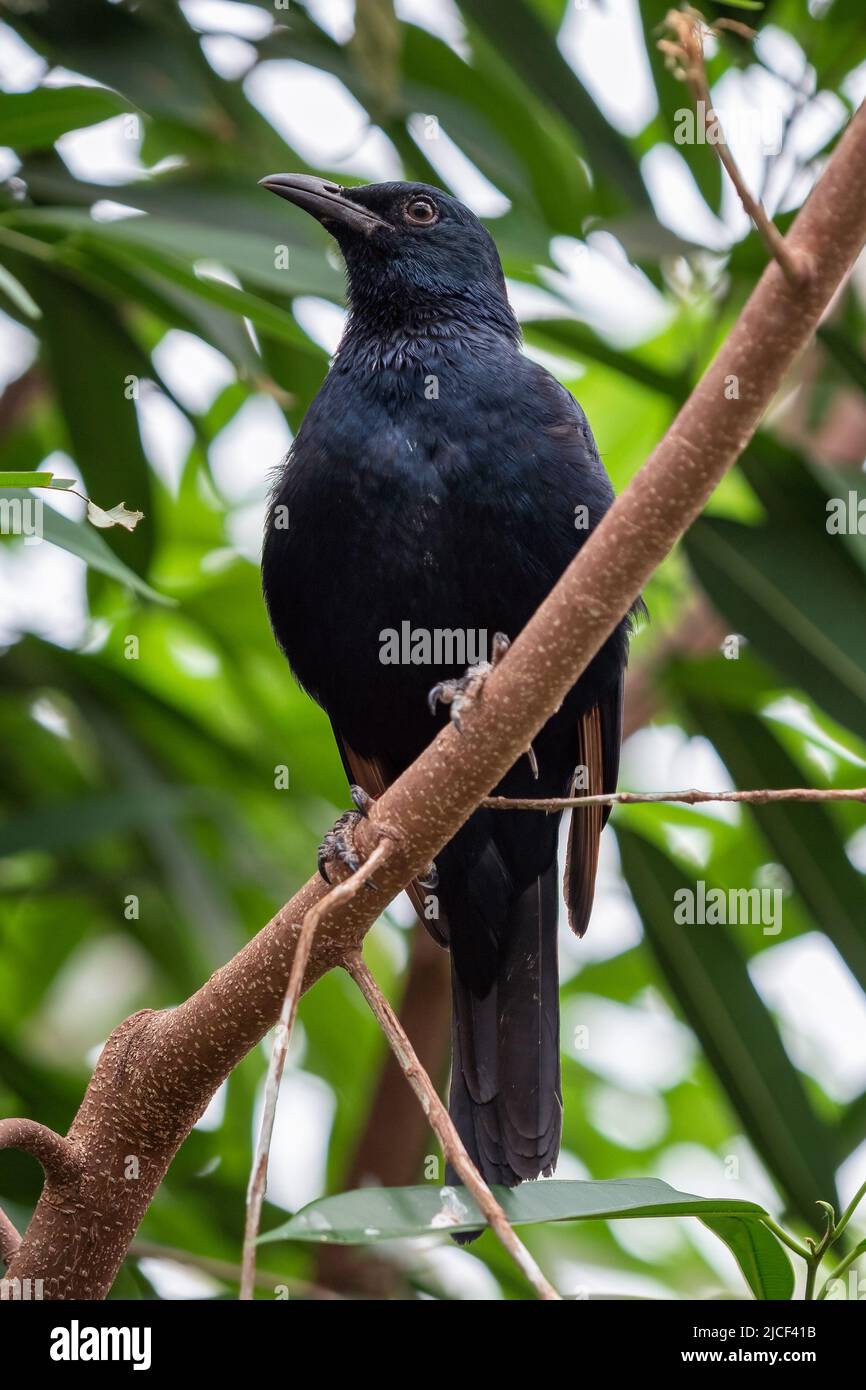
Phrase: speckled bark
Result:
[159,1070]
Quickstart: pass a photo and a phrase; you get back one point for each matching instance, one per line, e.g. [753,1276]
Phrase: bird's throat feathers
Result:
[401,332]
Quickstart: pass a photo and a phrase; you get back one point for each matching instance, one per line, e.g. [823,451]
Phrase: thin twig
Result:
[685,55]
[443,1127]
[851,1258]
[817,1251]
[850,1209]
[691,797]
[785,1237]
[282,1037]
[10,1240]
[226,1271]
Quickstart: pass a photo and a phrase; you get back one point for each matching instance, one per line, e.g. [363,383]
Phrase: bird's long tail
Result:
[506,1096]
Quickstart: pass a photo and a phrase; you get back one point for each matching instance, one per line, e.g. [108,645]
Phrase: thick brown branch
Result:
[9,1238]
[452,1146]
[158,1071]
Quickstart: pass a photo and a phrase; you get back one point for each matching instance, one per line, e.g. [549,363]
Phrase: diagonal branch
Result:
[443,1126]
[394,1136]
[342,892]
[158,1071]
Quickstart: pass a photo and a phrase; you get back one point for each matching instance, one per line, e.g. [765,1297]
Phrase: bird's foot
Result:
[461,694]
[338,846]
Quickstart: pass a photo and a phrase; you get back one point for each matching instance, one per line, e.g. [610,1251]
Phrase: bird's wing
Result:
[374,776]
[599,736]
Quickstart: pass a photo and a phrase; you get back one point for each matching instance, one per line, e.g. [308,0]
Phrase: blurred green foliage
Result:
[145,773]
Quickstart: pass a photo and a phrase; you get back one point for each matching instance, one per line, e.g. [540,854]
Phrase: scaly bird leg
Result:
[461,694]
[338,846]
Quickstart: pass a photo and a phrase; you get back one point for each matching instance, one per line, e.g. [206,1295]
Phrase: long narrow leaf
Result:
[375,1214]
[708,977]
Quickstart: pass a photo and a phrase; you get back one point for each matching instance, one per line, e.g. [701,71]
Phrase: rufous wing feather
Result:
[599,735]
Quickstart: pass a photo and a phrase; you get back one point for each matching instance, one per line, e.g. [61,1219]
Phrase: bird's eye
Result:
[421,212]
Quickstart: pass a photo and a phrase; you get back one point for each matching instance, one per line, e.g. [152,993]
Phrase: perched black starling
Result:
[440,483]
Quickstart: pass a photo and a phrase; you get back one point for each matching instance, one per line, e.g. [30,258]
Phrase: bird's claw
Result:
[462,693]
[338,846]
[362,800]
[430,878]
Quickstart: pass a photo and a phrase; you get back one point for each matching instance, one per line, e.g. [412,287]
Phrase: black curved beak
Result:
[327,202]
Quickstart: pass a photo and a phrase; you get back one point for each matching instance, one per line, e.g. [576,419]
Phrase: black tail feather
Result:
[506,1095]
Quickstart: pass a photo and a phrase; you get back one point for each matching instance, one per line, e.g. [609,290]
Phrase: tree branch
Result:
[443,1126]
[686,55]
[9,1238]
[395,1136]
[158,1071]
[342,892]
[61,1162]
[692,797]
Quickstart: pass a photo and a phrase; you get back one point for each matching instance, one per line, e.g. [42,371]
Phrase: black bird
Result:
[443,479]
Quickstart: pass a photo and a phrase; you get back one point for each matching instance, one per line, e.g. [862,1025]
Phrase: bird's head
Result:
[406,245]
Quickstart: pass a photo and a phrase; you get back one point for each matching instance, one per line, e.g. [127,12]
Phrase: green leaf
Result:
[81,540]
[69,824]
[578,340]
[34,120]
[25,479]
[814,633]
[707,975]
[91,358]
[523,39]
[845,353]
[17,295]
[251,256]
[761,1257]
[375,1214]
[851,1126]
[88,545]
[803,837]
[520,151]
[141,54]
[797,493]
[264,315]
